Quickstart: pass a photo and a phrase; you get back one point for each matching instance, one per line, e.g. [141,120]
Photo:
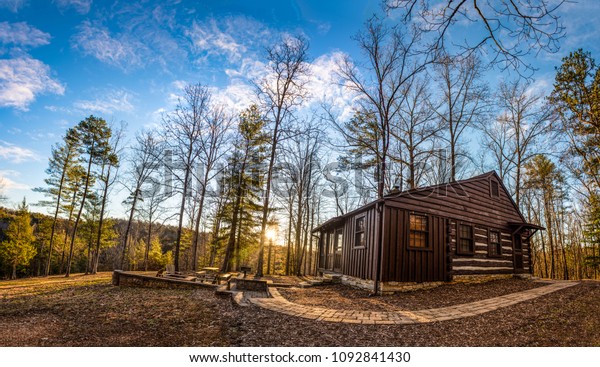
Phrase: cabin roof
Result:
[398,196]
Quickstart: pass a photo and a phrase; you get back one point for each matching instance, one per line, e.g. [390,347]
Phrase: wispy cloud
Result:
[16,154]
[12,5]
[22,79]
[8,184]
[208,39]
[230,38]
[22,35]
[80,6]
[109,103]
[119,50]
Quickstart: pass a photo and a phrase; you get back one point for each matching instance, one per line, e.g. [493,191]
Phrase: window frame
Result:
[427,232]
[357,232]
[497,184]
[459,238]
[489,241]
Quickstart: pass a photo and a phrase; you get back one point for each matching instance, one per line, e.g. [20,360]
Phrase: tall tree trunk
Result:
[54,220]
[101,222]
[265,213]
[229,250]
[238,244]
[83,198]
[182,208]
[288,270]
[196,236]
[148,239]
[128,229]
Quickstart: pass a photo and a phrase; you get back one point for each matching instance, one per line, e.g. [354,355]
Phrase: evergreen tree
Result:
[576,99]
[94,135]
[63,159]
[18,248]
[244,182]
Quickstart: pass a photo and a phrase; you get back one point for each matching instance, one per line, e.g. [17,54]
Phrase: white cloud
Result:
[15,154]
[8,184]
[109,103]
[232,38]
[21,34]
[12,185]
[326,86]
[237,96]
[210,40]
[21,79]
[80,6]
[120,51]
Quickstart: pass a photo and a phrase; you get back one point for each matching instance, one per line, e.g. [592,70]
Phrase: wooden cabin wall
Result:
[481,262]
[401,263]
[360,262]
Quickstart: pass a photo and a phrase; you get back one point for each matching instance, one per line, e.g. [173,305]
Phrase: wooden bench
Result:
[227,279]
[245,269]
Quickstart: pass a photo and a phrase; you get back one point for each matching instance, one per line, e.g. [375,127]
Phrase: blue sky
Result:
[63,60]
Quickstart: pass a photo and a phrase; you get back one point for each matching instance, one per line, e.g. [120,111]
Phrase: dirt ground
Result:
[89,311]
[341,297]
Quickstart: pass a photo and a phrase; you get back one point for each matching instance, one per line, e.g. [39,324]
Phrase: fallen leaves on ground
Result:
[89,311]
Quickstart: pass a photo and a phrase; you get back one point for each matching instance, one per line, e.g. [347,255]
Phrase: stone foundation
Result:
[480,278]
[122,278]
[357,282]
[395,287]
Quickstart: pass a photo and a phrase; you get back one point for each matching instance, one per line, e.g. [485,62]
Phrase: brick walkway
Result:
[282,305]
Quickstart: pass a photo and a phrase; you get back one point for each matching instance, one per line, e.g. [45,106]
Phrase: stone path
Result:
[282,305]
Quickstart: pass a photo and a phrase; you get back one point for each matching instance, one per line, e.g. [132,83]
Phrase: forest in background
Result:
[219,188]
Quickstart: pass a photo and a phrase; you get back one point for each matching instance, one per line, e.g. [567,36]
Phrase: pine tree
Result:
[94,135]
[243,185]
[63,159]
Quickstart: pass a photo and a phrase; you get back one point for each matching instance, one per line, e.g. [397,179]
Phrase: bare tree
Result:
[524,117]
[464,100]
[143,163]
[211,148]
[280,92]
[510,30]
[300,172]
[414,129]
[183,130]
[391,64]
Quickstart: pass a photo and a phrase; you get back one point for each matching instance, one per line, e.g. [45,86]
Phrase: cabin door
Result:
[337,251]
[518,253]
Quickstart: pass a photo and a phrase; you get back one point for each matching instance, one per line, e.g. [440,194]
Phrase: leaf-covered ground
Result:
[342,297]
[89,311]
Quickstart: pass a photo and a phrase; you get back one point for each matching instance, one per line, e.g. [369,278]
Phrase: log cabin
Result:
[438,233]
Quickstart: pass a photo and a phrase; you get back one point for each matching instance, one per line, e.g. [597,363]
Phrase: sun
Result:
[270,234]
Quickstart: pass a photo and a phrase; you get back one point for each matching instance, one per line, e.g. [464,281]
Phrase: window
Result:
[494,244]
[494,189]
[465,240]
[359,232]
[418,231]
